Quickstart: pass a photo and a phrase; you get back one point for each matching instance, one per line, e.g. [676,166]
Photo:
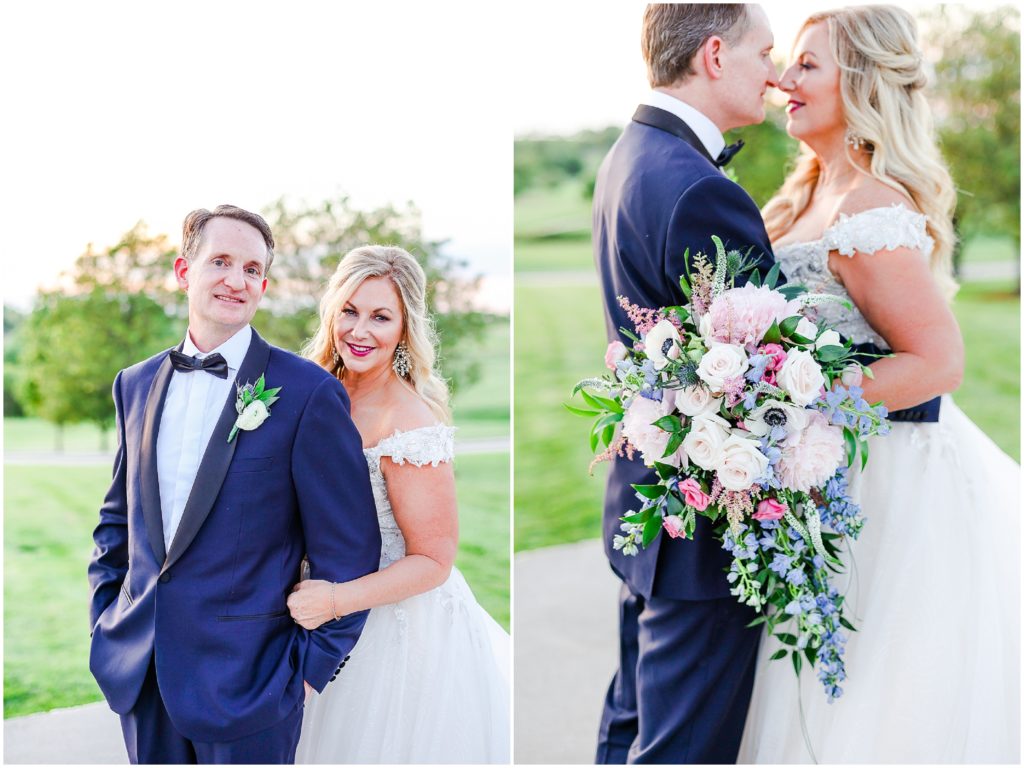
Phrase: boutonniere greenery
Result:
[253,406]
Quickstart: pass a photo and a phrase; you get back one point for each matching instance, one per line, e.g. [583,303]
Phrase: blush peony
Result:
[811,456]
[743,315]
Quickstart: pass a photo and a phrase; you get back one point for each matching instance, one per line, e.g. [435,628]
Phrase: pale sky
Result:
[584,69]
[119,111]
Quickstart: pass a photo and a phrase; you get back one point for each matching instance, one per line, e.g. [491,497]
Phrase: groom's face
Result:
[225,279]
[748,72]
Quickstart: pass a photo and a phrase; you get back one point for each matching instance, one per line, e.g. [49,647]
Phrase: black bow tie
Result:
[727,154]
[215,363]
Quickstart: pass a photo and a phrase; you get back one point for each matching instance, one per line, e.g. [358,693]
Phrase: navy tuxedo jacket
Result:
[657,194]
[212,610]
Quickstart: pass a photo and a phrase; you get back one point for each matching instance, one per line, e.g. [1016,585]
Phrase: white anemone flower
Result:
[662,344]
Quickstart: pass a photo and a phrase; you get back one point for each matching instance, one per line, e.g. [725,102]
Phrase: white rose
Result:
[703,443]
[774,413]
[662,344]
[740,463]
[801,376]
[695,401]
[829,339]
[254,414]
[807,329]
[705,328]
[720,364]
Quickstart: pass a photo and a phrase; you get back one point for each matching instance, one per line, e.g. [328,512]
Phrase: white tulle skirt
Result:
[934,668]
[428,682]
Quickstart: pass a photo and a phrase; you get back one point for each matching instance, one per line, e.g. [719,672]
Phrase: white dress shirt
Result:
[698,122]
[193,406]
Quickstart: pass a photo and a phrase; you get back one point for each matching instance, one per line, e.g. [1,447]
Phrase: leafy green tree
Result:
[977,107]
[767,157]
[312,238]
[74,345]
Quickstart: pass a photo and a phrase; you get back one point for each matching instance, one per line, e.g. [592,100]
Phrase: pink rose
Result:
[776,354]
[770,509]
[616,351]
[673,525]
[693,495]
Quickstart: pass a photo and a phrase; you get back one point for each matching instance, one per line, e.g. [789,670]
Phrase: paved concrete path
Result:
[89,734]
[471,445]
[565,630]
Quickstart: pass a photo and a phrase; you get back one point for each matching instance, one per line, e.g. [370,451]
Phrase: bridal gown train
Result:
[933,587]
[428,680]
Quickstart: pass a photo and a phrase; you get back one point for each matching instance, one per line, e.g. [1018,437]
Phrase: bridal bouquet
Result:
[728,398]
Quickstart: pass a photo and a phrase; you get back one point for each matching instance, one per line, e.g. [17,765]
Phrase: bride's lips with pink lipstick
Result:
[359,351]
[793,105]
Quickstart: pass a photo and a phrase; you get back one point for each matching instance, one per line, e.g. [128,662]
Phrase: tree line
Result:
[122,305]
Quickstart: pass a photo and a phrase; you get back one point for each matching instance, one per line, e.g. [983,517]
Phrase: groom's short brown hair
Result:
[674,32]
[195,223]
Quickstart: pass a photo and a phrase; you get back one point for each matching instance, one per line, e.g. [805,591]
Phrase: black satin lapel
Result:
[150,479]
[666,121]
[219,452]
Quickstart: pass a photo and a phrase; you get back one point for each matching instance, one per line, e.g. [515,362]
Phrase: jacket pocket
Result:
[255,616]
[251,465]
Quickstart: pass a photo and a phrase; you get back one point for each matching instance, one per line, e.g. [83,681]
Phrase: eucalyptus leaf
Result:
[831,353]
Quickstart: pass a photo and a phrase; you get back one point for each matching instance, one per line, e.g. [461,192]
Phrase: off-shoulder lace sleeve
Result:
[879,229]
[425,445]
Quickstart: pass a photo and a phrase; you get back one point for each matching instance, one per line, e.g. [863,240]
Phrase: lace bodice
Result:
[425,445]
[868,231]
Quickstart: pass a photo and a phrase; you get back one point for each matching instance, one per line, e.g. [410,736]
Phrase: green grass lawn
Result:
[482,410]
[985,248]
[552,211]
[560,339]
[554,255]
[49,514]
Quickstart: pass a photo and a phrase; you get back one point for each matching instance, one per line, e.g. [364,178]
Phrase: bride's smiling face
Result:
[369,326]
[815,107]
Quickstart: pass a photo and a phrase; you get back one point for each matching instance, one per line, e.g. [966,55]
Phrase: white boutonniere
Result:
[253,406]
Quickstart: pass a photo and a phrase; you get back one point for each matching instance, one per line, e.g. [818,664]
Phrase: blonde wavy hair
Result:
[880,83]
[405,273]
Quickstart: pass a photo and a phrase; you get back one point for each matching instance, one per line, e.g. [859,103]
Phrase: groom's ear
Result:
[711,56]
[181,272]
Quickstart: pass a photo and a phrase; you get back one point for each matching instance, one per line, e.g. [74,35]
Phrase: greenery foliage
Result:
[976,91]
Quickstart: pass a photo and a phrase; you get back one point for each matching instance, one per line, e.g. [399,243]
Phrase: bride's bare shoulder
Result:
[407,411]
[870,193]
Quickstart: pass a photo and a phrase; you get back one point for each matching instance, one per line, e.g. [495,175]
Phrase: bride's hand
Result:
[310,603]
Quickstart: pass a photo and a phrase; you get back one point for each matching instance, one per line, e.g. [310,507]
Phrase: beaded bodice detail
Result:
[869,231]
[425,445]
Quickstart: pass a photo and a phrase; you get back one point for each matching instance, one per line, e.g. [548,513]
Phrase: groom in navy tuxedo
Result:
[201,537]
[686,661]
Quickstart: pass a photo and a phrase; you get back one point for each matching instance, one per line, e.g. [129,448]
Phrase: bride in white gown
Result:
[934,584]
[428,679]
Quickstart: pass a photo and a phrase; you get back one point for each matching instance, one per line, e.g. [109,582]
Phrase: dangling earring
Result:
[401,362]
[856,142]
[336,356]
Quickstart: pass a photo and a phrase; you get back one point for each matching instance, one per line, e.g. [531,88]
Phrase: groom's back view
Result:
[204,527]
[686,657]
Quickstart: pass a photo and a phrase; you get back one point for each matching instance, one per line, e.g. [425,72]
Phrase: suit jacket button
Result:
[164,578]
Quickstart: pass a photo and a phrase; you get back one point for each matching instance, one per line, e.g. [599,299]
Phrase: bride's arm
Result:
[423,501]
[897,295]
